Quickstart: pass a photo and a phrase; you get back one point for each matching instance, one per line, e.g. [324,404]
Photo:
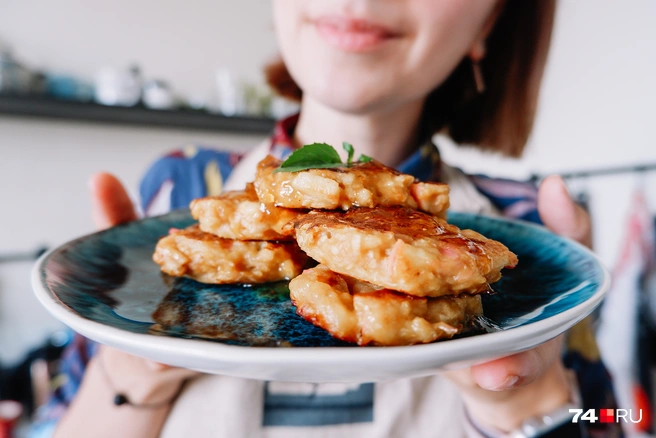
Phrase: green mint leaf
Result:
[311,156]
[348,147]
[364,158]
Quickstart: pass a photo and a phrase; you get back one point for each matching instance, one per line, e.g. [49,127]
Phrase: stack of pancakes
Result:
[391,270]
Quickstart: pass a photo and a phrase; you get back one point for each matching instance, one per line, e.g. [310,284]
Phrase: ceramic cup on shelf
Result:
[158,95]
[118,87]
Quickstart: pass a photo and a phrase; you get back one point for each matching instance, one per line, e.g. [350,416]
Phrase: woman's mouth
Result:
[353,35]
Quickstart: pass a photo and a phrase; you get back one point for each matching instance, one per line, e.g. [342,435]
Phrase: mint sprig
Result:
[319,156]
[311,156]
[348,147]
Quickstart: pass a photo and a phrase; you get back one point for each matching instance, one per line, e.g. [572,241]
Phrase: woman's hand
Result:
[112,206]
[111,371]
[144,382]
[504,392]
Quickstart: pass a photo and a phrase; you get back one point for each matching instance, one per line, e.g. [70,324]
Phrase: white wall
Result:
[596,110]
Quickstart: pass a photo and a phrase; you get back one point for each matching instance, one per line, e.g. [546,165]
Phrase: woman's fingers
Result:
[560,213]
[504,392]
[110,203]
[143,380]
[516,370]
[111,206]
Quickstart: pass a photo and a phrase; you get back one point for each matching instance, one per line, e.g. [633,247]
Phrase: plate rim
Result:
[551,326]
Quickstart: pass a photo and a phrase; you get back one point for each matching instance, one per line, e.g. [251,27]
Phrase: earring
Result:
[478,77]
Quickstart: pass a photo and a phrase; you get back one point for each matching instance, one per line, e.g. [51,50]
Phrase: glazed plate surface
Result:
[106,287]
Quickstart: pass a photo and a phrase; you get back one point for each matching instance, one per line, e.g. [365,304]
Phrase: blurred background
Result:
[111,86]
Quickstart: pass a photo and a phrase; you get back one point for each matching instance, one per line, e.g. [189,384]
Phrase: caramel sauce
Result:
[401,221]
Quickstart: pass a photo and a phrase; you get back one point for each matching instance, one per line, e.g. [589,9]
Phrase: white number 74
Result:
[588,416]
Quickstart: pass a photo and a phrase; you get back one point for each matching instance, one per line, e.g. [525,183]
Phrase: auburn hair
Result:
[501,117]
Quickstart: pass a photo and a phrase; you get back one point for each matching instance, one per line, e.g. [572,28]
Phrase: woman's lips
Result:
[352,35]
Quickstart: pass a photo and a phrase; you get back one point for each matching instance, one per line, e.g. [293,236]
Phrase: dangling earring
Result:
[478,77]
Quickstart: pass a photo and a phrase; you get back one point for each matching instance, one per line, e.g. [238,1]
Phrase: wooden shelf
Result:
[42,107]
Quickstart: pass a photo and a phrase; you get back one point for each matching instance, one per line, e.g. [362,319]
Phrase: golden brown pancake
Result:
[361,185]
[355,311]
[210,259]
[240,215]
[402,249]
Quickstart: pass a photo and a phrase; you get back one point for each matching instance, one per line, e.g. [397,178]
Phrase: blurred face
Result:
[359,56]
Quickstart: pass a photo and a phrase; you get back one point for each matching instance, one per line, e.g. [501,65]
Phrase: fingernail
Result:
[506,384]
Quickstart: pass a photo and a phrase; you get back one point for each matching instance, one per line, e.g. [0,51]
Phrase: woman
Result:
[383,75]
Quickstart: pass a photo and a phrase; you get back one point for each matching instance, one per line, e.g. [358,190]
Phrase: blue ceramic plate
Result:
[107,287]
